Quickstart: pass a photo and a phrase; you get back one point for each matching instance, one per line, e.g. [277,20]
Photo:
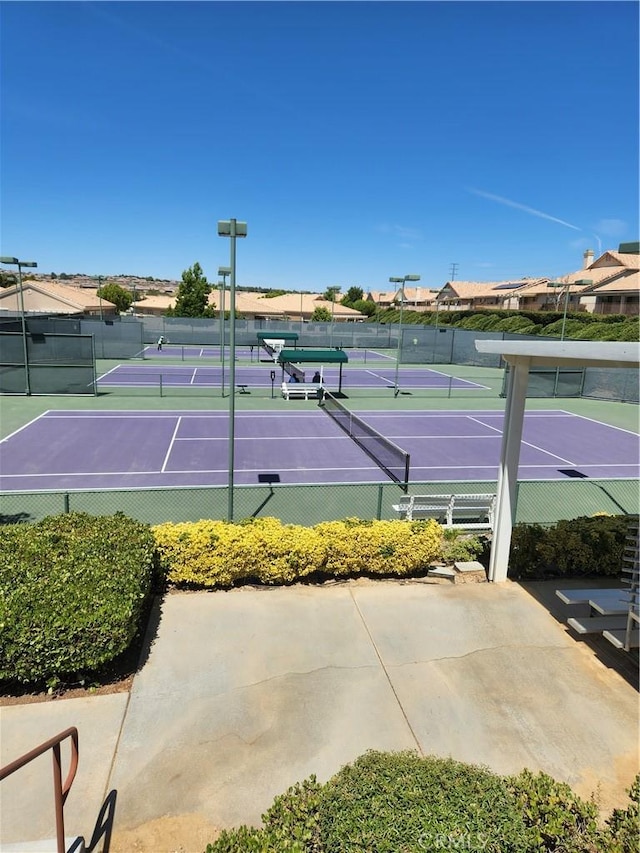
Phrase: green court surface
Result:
[538,501]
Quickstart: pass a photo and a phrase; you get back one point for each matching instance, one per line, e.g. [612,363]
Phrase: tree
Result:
[8,279]
[193,293]
[321,315]
[364,306]
[354,294]
[331,293]
[117,295]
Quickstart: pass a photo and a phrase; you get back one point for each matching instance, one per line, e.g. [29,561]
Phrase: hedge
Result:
[579,325]
[73,589]
[264,550]
[404,803]
[571,548]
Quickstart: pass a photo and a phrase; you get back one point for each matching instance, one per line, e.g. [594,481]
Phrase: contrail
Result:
[524,207]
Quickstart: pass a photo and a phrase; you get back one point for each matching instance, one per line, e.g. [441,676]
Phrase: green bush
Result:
[624,824]
[629,330]
[555,817]
[555,329]
[73,589]
[571,548]
[404,803]
[512,324]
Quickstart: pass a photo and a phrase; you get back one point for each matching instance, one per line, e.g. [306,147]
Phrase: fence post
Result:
[66,502]
[379,509]
[161,385]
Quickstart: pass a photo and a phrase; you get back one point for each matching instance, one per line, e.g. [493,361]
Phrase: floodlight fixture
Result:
[232,228]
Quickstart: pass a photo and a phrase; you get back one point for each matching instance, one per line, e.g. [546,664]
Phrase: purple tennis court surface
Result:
[129,449]
[178,376]
[246,351]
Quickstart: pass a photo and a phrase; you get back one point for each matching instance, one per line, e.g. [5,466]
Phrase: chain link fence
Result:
[538,501]
[39,363]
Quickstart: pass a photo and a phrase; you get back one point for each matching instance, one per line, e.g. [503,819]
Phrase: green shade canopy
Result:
[313,356]
[278,336]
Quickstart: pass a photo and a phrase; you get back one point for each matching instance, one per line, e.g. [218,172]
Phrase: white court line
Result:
[32,421]
[192,380]
[287,438]
[173,438]
[377,376]
[601,423]
[161,413]
[127,474]
[439,435]
[488,426]
[108,372]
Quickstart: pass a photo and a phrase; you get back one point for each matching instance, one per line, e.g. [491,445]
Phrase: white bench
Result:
[301,390]
[605,601]
[465,512]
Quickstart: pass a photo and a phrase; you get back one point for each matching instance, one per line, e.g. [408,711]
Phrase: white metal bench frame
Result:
[304,390]
[454,511]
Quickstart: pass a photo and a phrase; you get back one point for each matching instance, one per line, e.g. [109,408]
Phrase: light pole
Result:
[224,272]
[401,281]
[100,296]
[566,303]
[20,264]
[335,290]
[232,229]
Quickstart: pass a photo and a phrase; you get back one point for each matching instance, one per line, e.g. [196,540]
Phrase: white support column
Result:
[508,472]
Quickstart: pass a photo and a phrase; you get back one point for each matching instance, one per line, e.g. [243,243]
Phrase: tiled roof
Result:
[382,296]
[158,302]
[484,289]
[619,259]
[39,296]
[627,283]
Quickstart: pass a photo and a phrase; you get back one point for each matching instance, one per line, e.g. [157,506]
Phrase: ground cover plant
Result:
[405,803]
[73,592]
[264,550]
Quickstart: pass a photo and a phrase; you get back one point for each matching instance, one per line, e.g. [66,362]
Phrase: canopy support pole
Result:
[508,471]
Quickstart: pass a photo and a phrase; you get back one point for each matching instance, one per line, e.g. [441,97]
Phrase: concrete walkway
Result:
[246,692]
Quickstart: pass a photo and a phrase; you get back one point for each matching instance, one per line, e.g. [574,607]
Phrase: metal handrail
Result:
[61,790]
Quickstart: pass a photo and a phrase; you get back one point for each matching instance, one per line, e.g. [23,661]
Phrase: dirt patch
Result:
[186,833]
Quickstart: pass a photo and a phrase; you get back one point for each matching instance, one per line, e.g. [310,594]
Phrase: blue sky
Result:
[358,140]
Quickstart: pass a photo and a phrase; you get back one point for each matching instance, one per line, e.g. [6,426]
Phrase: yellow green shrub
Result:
[379,547]
[217,553]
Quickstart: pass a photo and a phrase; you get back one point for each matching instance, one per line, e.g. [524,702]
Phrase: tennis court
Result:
[178,376]
[69,450]
[245,351]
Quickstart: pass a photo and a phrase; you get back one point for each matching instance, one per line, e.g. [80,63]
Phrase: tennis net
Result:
[388,456]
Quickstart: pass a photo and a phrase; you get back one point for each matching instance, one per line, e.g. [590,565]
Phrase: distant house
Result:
[615,286]
[475,295]
[382,299]
[289,306]
[608,285]
[48,297]
[153,305]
